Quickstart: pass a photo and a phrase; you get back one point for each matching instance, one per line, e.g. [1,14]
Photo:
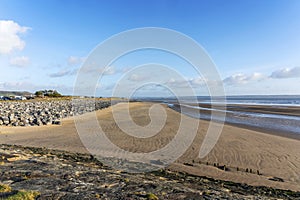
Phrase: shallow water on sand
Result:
[278,113]
[282,122]
[279,122]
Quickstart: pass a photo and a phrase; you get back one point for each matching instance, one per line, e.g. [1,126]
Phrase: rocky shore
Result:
[53,174]
[16,113]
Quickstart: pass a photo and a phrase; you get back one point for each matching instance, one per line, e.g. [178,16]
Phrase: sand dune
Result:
[273,156]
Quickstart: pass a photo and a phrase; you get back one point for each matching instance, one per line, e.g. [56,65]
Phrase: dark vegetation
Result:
[47,93]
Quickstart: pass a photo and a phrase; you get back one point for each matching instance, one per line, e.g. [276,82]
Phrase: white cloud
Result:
[9,36]
[256,77]
[198,81]
[22,61]
[74,60]
[243,78]
[286,73]
[178,83]
[235,79]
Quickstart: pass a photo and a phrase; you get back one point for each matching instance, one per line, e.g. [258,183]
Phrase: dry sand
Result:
[273,156]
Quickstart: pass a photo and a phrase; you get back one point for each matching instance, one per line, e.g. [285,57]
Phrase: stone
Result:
[43,112]
[56,122]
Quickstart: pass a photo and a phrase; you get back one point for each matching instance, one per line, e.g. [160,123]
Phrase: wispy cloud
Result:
[173,82]
[75,60]
[64,72]
[21,61]
[194,82]
[29,86]
[9,36]
[136,77]
[20,85]
[286,73]
[60,73]
[109,70]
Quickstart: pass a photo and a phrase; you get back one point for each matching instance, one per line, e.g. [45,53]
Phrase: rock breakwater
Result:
[37,113]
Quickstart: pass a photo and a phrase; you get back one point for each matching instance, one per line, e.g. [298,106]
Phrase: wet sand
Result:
[273,119]
[272,155]
[267,109]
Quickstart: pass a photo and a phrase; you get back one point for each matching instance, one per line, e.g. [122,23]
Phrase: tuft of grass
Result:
[5,188]
[24,195]
[151,196]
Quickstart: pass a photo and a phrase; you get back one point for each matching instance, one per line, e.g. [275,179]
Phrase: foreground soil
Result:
[249,156]
[54,174]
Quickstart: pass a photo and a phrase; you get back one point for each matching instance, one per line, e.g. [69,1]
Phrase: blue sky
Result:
[254,44]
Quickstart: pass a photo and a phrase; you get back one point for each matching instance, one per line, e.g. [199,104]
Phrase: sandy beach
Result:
[272,155]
